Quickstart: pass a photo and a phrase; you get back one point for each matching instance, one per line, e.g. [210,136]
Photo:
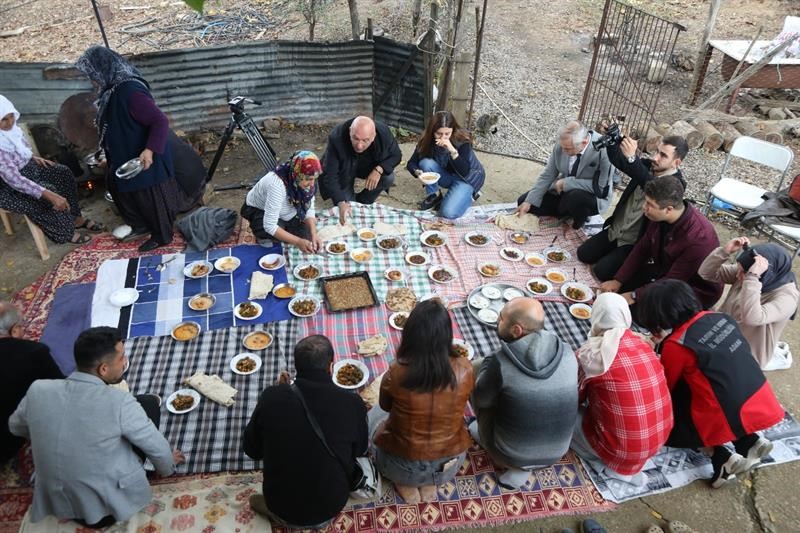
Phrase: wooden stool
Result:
[36,232]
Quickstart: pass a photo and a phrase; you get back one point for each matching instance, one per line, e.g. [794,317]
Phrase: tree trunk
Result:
[354,19]
[713,138]
[729,135]
[693,137]
[416,12]
[312,20]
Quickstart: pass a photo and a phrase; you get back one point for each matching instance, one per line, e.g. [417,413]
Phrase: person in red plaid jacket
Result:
[628,416]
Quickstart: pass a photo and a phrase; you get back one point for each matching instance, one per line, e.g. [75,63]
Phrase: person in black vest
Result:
[359,148]
[607,250]
[24,362]
[304,486]
[130,125]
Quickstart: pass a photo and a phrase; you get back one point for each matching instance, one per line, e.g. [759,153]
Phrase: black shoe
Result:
[726,465]
[476,195]
[432,201]
[135,232]
[150,244]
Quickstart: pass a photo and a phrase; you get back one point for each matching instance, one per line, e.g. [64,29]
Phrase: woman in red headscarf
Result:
[281,205]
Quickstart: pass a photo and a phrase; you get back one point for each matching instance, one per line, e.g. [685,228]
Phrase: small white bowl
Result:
[184,392]
[123,297]
[272,261]
[425,256]
[227,264]
[535,259]
[587,291]
[576,310]
[541,281]
[129,169]
[301,266]
[512,293]
[186,323]
[361,255]
[474,235]
[555,275]
[436,268]
[468,346]
[388,240]
[240,317]
[187,270]
[241,356]
[489,315]
[366,234]
[433,233]
[491,292]
[478,301]
[192,303]
[332,243]
[393,316]
[429,178]
[509,253]
[487,273]
[361,366]
[565,255]
[301,297]
[393,269]
[253,334]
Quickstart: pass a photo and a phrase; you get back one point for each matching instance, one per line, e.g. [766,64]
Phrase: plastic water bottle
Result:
[719,204]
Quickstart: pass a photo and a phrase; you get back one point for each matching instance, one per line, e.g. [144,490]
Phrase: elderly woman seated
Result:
[42,190]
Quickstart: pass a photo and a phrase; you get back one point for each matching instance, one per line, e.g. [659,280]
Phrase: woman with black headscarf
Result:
[763,296]
[130,125]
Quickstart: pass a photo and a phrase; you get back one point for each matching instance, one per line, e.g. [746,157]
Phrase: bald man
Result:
[358,149]
[526,394]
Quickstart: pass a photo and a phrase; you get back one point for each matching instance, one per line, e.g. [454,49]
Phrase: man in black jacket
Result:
[304,486]
[607,250]
[24,362]
[359,148]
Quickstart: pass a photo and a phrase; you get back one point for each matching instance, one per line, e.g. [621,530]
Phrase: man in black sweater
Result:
[607,250]
[24,362]
[304,486]
[359,148]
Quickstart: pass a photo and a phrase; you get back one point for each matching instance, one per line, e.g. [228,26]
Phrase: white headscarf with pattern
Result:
[611,317]
[13,140]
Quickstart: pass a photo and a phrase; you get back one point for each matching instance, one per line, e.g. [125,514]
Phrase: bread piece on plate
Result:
[260,285]
[375,345]
[212,387]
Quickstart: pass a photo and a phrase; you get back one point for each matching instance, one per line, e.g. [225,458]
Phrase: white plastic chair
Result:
[744,196]
[788,233]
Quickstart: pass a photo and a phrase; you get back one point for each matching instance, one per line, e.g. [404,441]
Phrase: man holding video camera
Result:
[607,250]
[576,182]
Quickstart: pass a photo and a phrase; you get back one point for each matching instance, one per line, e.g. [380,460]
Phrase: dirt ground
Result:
[531,35]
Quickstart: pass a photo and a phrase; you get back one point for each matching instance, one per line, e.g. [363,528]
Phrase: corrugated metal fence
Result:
[303,82]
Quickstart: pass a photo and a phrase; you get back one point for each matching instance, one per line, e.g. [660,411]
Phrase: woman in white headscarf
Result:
[41,189]
[627,415]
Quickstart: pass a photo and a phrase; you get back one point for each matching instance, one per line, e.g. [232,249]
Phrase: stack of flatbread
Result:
[401,299]
[526,222]
[383,228]
[212,387]
[260,285]
[372,392]
[336,231]
[375,345]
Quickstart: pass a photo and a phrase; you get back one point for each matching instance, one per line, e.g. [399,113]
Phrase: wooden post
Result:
[444,88]
[713,138]
[478,45]
[368,31]
[354,23]
[416,12]
[459,101]
[693,137]
[703,50]
[429,47]
[729,135]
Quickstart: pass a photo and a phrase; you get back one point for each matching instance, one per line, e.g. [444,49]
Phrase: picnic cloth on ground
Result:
[163,296]
[672,468]
[70,314]
[209,435]
[206,227]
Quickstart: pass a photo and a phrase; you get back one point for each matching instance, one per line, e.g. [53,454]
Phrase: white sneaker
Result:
[781,358]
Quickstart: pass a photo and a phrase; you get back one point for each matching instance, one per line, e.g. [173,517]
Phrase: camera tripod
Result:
[243,121]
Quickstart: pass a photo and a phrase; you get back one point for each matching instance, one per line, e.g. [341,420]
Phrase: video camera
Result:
[612,137]
[237,103]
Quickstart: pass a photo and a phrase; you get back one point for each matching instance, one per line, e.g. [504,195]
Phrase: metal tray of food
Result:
[494,296]
[351,282]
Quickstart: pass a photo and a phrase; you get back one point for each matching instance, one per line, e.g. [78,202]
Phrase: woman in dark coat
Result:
[130,125]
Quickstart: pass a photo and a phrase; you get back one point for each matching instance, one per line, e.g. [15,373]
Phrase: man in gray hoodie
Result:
[526,394]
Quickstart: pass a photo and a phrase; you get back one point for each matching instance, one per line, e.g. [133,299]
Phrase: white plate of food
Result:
[535,259]
[202,302]
[478,301]
[337,247]
[512,293]
[245,364]
[417,258]
[185,331]
[272,261]
[197,269]
[284,290]
[398,320]
[476,238]
[581,311]
[462,348]
[257,340]
[442,273]
[361,255]
[123,297]
[429,178]
[489,316]
[366,234]
[576,292]
[433,238]
[350,373]
[538,286]
[389,242]
[491,292]
[555,275]
[248,311]
[307,271]
[490,269]
[394,274]
[304,305]
[509,253]
[182,401]
[227,264]
[557,255]
[519,237]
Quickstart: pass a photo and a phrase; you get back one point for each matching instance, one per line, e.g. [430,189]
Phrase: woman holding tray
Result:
[418,427]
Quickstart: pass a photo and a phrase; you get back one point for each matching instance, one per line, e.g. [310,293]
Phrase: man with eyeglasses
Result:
[363,149]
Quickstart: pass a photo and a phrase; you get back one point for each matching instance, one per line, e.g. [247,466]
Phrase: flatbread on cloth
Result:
[212,387]
[260,285]
[375,345]
[526,222]
[401,299]
[382,228]
[335,231]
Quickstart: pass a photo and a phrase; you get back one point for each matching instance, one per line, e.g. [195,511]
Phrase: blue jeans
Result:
[459,192]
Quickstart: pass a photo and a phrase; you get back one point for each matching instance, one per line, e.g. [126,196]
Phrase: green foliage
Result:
[197,5]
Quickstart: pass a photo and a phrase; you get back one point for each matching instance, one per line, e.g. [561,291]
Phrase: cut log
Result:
[652,140]
[693,137]
[771,132]
[776,113]
[746,127]
[729,135]
[663,128]
[713,138]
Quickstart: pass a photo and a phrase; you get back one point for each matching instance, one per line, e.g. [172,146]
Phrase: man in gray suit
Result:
[576,182]
[89,439]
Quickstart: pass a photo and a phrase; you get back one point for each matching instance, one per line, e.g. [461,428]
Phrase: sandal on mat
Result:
[79,238]
[91,225]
